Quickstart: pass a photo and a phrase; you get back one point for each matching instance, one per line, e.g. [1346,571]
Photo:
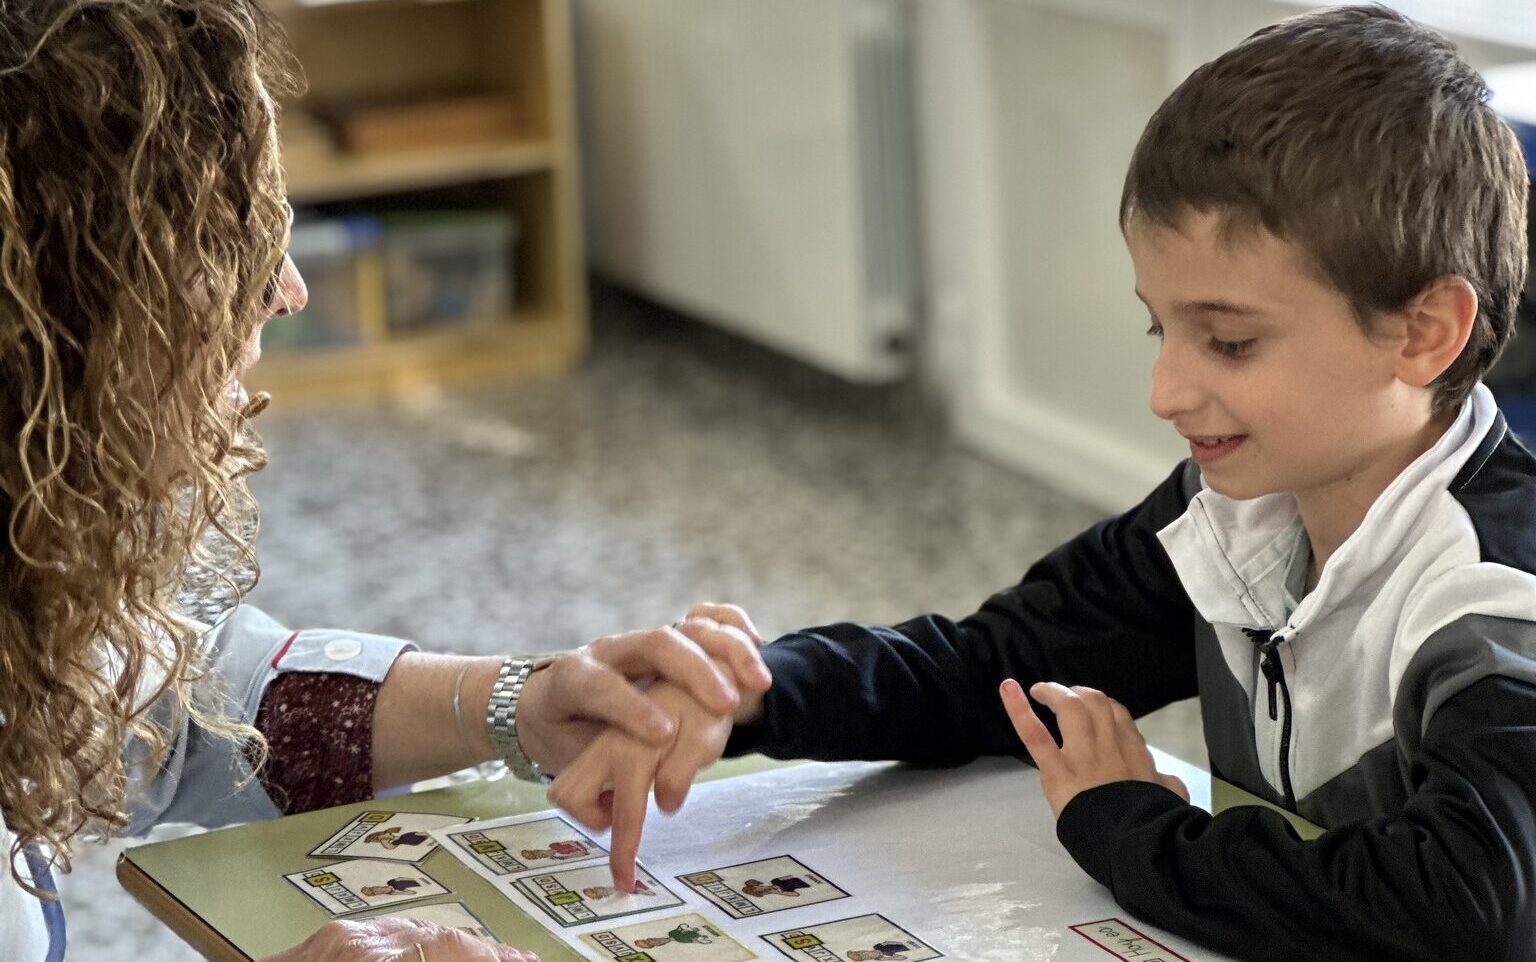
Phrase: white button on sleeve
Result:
[343,649]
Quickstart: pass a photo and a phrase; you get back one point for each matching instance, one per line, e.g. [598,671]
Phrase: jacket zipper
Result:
[1268,643]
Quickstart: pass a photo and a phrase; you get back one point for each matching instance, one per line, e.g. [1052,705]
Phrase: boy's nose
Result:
[1173,392]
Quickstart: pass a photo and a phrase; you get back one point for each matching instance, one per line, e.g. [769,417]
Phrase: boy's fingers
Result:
[1100,710]
[709,681]
[1174,784]
[696,749]
[1130,742]
[1125,725]
[581,789]
[672,656]
[605,810]
[631,791]
[675,774]
[671,797]
[673,781]
[727,615]
[1031,730]
[1122,715]
[730,646]
[1072,715]
[1127,738]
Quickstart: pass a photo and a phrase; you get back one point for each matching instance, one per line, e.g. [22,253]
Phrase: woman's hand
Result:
[712,655]
[609,784]
[397,940]
[417,732]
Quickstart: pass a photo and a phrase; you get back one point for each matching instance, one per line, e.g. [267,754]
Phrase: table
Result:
[965,858]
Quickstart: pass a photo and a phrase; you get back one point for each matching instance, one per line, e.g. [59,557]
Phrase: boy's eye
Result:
[1232,349]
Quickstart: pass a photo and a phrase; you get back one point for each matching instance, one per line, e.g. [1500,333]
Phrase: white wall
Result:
[1029,112]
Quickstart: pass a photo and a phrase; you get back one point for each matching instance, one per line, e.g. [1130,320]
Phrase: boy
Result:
[1327,227]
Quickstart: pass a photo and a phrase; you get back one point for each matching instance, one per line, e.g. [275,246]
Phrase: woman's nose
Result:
[292,294]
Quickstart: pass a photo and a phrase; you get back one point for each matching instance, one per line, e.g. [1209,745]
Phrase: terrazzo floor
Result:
[677,465]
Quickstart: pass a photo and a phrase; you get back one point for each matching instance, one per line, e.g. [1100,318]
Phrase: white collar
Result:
[1232,556]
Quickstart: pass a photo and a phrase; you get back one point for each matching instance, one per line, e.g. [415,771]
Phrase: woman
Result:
[142,245]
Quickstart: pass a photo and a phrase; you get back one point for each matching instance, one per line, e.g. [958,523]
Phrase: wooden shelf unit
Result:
[371,49]
[347,178]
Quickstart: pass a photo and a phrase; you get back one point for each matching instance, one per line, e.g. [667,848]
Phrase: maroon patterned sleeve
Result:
[319,732]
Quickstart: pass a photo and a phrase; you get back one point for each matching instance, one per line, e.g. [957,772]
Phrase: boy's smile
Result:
[1266,371]
[1208,449]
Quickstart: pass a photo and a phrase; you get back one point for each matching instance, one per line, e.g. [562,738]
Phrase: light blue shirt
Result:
[205,778]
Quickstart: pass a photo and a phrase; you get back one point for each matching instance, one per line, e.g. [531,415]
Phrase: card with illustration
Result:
[500,848]
[766,885]
[450,915]
[394,836]
[867,938]
[681,938]
[364,883]
[580,895]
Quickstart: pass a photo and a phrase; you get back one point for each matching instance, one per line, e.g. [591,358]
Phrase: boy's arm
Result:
[1453,877]
[1106,610]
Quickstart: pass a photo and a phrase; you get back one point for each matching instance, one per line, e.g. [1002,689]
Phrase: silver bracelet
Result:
[501,715]
[458,714]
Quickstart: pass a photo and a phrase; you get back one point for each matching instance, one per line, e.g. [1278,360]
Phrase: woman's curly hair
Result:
[142,219]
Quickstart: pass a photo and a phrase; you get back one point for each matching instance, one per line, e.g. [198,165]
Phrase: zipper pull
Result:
[1269,662]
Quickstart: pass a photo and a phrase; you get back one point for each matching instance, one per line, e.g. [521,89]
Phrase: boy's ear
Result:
[1438,323]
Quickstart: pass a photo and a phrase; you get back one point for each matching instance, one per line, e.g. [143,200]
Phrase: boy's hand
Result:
[713,652]
[752,676]
[1100,743]
[610,782]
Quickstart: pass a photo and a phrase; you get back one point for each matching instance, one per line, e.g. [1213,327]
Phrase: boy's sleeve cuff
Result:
[1093,822]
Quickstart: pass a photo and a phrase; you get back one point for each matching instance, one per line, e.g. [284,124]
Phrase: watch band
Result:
[501,715]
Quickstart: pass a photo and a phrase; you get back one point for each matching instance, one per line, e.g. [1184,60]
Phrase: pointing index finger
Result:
[631,788]
[1031,730]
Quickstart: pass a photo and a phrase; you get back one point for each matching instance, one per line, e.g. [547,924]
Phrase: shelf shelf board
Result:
[521,344]
[316,179]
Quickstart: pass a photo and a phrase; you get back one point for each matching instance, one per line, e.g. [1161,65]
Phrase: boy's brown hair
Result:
[1367,141]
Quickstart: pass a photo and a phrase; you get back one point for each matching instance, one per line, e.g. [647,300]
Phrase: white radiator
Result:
[751,162]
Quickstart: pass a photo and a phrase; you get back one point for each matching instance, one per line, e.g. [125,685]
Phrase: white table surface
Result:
[965,858]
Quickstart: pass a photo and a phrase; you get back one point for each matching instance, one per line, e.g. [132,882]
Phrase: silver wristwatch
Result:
[501,715]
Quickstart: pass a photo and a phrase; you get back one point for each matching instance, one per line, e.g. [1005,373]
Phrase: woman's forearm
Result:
[563,707]
[415,736]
